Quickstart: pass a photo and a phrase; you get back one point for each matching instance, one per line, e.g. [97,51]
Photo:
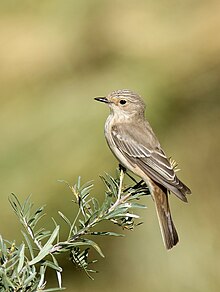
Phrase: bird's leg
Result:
[122,171]
[121,167]
[137,184]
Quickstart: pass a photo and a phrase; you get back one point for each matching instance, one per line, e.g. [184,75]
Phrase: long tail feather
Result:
[168,230]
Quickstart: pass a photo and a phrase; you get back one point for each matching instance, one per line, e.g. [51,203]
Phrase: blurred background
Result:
[55,57]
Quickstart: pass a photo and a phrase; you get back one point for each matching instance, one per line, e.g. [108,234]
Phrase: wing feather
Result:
[151,159]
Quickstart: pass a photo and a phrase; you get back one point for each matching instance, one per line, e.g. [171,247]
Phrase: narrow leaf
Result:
[21,259]
[95,246]
[46,248]
[29,244]
[106,233]
[64,218]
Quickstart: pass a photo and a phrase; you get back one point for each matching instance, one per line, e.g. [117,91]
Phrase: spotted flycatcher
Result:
[133,142]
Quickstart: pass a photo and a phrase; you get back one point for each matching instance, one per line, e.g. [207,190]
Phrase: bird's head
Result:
[124,102]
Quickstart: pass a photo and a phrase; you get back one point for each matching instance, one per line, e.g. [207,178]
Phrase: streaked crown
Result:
[125,93]
[125,101]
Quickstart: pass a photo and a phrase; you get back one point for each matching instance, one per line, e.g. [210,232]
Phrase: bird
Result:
[133,142]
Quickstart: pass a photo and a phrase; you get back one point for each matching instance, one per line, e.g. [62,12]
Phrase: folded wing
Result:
[145,152]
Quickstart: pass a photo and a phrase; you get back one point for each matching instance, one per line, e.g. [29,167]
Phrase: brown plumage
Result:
[133,142]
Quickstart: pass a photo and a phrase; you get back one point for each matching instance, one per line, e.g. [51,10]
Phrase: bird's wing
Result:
[148,156]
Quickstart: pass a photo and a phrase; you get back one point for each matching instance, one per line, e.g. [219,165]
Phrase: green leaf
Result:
[136,205]
[86,189]
[58,272]
[78,182]
[106,233]
[46,248]
[53,236]
[106,204]
[129,215]
[42,271]
[53,265]
[53,289]
[92,218]
[11,264]
[64,218]
[27,206]
[111,184]
[94,245]
[36,217]
[42,235]
[21,258]
[28,243]
[95,203]
[65,182]
[15,203]
[132,205]
[8,283]
[117,211]
[29,279]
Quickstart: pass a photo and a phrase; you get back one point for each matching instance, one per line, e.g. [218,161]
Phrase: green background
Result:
[55,57]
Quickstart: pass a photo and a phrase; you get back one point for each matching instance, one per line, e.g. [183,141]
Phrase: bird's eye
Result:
[123,101]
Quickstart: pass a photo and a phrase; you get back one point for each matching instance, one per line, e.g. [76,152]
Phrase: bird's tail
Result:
[168,230]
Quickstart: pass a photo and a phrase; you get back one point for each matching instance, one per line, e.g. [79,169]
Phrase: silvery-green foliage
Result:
[23,267]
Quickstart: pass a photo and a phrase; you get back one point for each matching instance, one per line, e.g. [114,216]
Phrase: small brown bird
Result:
[133,142]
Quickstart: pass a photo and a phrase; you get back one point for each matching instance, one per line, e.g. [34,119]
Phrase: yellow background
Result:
[55,57]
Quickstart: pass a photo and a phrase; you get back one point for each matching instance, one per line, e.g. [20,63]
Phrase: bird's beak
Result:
[102,99]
